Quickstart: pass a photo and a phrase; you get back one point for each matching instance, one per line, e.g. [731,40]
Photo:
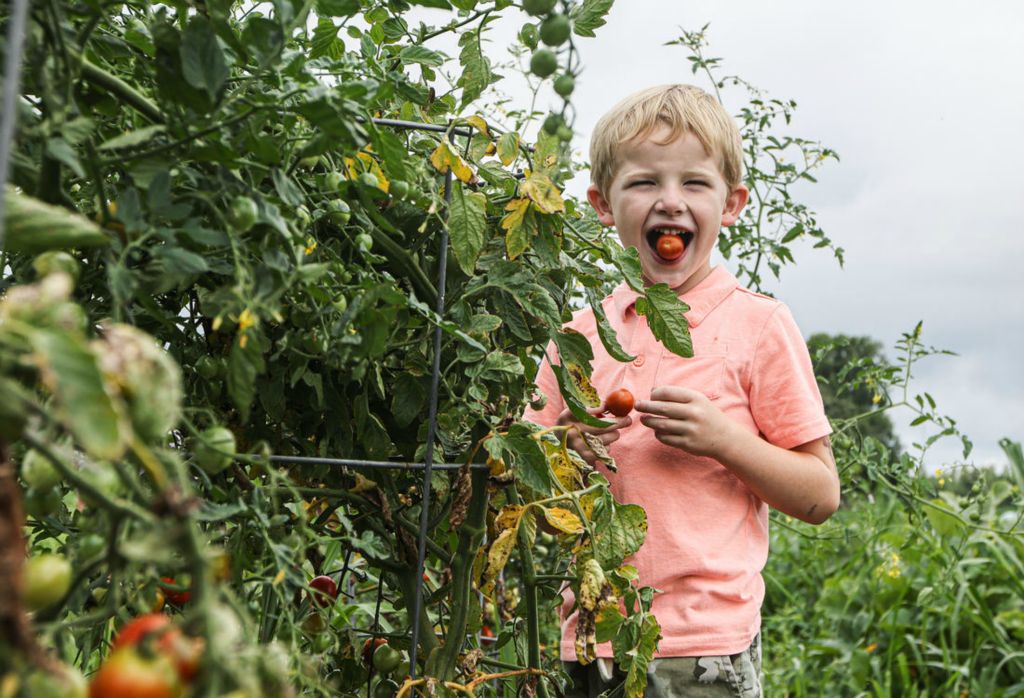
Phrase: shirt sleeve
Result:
[784,397]
[547,385]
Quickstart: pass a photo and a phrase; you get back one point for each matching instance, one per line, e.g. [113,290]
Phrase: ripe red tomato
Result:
[325,590]
[137,629]
[184,652]
[619,402]
[178,598]
[370,646]
[670,246]
[127,674]
[487,636]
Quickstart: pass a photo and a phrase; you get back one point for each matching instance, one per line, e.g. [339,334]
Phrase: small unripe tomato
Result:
[364,241]
[46,580]
[38,472]
[243,214]
[370,646]
[619,402]
[399,189]
[543,62]
[368,179]
[564,85]
[333,181]
[215,449]
[538,7]
[340,212]
[552,123]
[56,261]
[555,30]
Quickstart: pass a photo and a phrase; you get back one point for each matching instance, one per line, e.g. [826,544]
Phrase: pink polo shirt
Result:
[707,538]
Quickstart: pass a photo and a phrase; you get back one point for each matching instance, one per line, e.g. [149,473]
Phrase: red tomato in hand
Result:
[325,590]
[127,674]
[670,246]
[619,402]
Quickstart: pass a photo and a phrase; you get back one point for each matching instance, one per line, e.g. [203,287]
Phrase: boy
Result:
[717,438]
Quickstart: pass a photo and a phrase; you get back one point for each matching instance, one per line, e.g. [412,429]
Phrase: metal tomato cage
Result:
[8,117]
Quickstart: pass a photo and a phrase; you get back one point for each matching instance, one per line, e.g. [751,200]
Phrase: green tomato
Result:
[385,688]
[340,304]
[56,261]
[41,504]
[555,30]
[552,123]
[56,681]
[38,472]
[543,62]
[46,580]
[90,545]
[529,35]
[333,181]
[564,85]
[243,214]
[303,217]
[309,162]
[339,211]
[364,241]
[386,659]
[399,189]
[538,7]
[564,133]
[368,179]
[215,449]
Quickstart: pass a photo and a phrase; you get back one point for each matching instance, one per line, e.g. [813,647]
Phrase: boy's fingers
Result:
[676,410]
[670,393]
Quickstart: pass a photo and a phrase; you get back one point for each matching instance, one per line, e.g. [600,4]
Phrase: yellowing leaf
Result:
[516,211]
[444,158]
[543,192]
[363,484]
[508,517]
[479,124]
[497,557]
[508,147]
[583,385]
[564,520]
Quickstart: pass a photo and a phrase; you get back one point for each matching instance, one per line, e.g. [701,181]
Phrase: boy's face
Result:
[675,188]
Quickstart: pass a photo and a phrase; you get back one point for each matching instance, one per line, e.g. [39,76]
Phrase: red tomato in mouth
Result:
[670,246]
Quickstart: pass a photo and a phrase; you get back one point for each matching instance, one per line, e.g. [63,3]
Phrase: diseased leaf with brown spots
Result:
[583,385]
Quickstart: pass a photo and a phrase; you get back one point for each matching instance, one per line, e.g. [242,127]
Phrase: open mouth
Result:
[668,244]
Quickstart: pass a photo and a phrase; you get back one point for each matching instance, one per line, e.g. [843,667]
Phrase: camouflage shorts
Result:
[735,676]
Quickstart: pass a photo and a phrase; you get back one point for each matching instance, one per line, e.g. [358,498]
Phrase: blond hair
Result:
[681,108]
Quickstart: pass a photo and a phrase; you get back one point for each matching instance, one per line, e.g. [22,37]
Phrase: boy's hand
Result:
[686,419]
[608,435]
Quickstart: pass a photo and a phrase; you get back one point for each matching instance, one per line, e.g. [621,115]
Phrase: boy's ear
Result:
[601,205]
[734,204]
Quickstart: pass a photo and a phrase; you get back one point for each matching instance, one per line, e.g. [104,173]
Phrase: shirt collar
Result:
[702,298]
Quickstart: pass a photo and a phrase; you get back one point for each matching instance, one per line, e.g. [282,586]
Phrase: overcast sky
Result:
[924,102]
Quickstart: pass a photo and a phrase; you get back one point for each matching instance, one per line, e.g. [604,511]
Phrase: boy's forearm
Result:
[801,482]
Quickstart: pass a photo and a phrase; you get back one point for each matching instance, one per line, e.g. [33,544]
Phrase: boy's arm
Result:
[802,481]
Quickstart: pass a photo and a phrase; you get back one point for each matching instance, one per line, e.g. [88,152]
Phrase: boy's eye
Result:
[697,183]
[641,182]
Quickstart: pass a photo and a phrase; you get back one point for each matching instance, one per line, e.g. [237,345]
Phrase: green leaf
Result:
[71,372]
[628,262]
[32,226]
[476,68]
[508,147]
[467,226]
[337,8]
[203,62]
[604,329]
[642,654]
[525,453]
[60,150]
[325,40]
[244,364]
[407,399]
[132,138]
[421,55]
[665,316]
[609,620]
[264,39]
[392,151]
[620,530]
[590,15]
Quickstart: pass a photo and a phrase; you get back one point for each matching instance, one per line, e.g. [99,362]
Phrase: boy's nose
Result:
[671,201]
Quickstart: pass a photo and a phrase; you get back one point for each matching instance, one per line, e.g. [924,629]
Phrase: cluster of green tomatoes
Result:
[553,30]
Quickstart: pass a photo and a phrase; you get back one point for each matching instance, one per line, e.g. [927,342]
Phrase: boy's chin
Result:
[676,279]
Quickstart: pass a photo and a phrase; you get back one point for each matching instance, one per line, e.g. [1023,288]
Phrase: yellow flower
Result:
[310,246]
[876,398]
[871,648]
[246,320]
